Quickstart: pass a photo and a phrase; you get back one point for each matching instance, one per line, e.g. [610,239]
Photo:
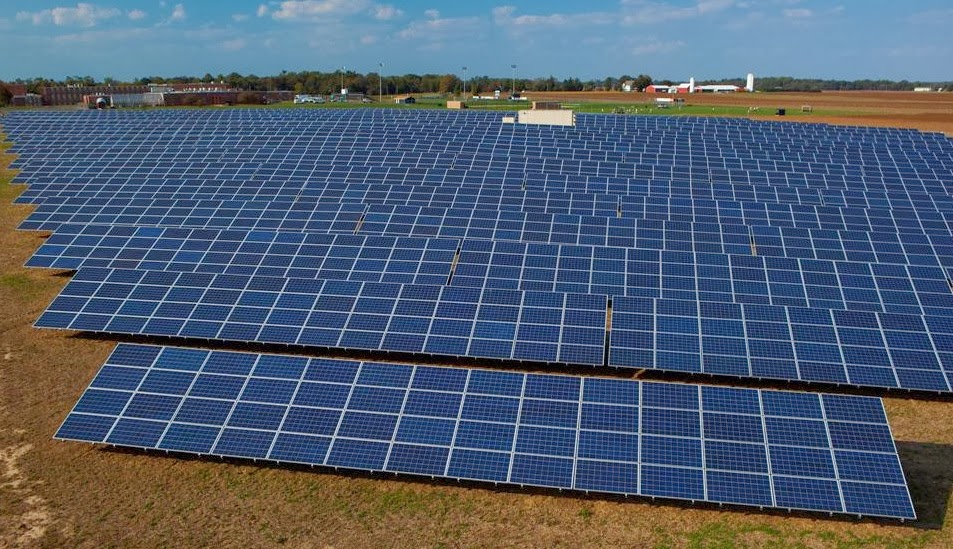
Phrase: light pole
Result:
[380,82]
[342,78]
[464,83]
[513,90]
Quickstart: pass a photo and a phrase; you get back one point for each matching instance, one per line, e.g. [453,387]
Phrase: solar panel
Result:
[792,343]
[212,214]
[746,447]
[445,321]
[263,253]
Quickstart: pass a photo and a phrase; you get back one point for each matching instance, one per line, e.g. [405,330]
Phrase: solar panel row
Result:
[607,271]
[761,341]
[734,215]
[740,446]
[297,179]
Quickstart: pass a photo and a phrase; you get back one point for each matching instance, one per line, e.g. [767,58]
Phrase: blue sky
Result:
[848,39]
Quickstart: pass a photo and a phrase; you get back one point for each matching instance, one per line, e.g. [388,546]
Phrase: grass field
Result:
[924,111]
[58,494]
[640,104]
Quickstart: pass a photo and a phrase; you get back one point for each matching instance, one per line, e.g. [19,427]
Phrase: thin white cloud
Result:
[644,12]
[797,13]
[136,15]
[942,16]
[178,14]
[83,15]
[106,37]
[436,29]
[310,10]
[386,12]
[233,45]
[262,10]
[506,16]
[658,47]
[368,39]
[921,51]
[239,17]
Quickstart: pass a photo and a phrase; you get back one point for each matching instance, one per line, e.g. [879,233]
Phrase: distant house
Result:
[19,97]
[72,94]
[14,89]
[405,100]
[629,86]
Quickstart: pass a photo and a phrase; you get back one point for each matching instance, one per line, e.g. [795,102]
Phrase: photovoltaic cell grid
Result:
[763,341]
[475,188]
[733,217]
[794,343]
[264,253]
[447,321]
[875,245]
[748,447]
[212,214]
[611,271]
[723,160]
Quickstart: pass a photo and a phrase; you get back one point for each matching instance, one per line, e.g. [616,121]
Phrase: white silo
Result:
[750,85]
[691,85]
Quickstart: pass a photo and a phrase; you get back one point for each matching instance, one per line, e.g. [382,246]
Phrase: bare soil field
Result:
[60,494]
[923,111]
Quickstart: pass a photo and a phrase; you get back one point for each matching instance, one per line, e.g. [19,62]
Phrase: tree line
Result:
[316,82]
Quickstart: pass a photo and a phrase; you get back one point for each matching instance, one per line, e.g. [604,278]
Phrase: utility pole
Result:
[513,89]
[464,82]
[380,82]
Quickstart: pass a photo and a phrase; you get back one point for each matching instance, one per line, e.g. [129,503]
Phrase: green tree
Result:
[643,81]
[5,96]
[449,83]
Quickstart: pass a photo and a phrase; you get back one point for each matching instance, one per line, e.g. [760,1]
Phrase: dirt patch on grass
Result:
[58,494]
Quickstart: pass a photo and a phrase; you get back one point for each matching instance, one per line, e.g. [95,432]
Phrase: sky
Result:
[667,39]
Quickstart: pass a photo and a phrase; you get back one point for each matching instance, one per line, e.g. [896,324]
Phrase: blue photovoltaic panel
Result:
[291,215]
[792,343]
[715,444]
[599,270]
[749,340]
[265,253]
[446,321]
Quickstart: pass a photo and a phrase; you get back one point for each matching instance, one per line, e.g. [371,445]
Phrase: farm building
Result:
[717,88]
[662,88]
[405,100]
[691,87]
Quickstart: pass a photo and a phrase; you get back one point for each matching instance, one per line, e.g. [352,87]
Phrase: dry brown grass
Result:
[59,494]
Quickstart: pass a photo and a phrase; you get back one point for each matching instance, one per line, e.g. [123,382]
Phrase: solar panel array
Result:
[717,444]
[729,247]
